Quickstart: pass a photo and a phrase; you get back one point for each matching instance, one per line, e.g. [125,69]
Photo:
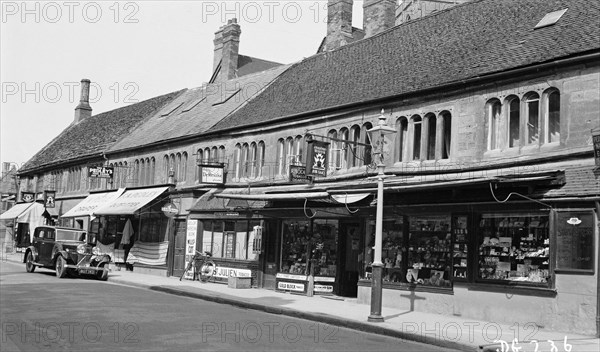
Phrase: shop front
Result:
[20,221]
[513,264]
[134,230]
[232,232]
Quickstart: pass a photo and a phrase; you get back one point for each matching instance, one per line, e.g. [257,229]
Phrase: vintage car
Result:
[68,251]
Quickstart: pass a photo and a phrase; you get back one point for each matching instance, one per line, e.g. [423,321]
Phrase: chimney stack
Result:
[227,45]
[83,110]
[339,23]
[378,15]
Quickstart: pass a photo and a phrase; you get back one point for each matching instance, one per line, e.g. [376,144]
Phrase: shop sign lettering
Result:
[324,279]
[169,209]
[291,277]
[290,286]
[323,288]
[316,160]
[101,172]
[298,173]
[224,272]
[211,174]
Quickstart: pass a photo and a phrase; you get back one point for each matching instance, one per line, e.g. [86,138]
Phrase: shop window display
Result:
[514,247]
[392,253]
[429,248]
[303,241]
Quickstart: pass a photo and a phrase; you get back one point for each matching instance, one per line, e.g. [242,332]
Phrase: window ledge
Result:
[509,289]
[400,286]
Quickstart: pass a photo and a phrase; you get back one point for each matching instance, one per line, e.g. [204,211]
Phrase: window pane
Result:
[514,121]
[533,121]
[417,141]
[553,117]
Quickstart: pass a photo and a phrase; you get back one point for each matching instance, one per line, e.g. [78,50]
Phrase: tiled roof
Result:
[467,41]
[207,105]
[95,134]
[248,65]
[581,181]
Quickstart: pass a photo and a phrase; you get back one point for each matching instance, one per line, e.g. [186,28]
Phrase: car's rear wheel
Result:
[61,267]
[102,275]
[29,263]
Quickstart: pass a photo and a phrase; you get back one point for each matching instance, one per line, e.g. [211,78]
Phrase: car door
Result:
[46,246]
[37,242]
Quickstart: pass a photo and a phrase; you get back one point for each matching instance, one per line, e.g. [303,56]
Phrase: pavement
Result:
[445,331]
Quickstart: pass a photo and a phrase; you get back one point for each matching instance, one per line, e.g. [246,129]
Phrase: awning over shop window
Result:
[94,201]
[15,211]
[130,201]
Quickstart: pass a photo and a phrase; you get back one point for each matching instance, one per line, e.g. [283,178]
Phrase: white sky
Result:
[131,51]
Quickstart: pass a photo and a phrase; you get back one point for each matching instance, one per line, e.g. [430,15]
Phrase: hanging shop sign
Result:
[316,160]
[170,210]
[49,199]
[596,140]
[101,171]
[27,197]
[212,174]
[298,173]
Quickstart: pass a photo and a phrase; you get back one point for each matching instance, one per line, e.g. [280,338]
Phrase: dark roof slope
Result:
[248,65]
[197,110]
[466,41]
[95,134]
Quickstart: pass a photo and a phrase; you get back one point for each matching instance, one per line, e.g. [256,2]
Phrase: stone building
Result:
[492,196]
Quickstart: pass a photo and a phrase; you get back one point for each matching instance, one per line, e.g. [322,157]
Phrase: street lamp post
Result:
[380,140]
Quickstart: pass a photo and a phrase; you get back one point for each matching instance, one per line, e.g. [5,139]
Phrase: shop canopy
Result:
[16,211]
[89,205]
[130,201]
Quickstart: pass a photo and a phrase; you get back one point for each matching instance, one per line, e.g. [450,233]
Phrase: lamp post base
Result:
[376,288]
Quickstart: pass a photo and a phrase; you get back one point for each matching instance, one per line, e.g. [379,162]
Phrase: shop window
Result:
[515,248]
[217,239]
[514,121]
[302,242]
[429,251]
[392,254]
[229,239]
[401,138]
[553,117]
[494,111]
[153,227]
[532,113]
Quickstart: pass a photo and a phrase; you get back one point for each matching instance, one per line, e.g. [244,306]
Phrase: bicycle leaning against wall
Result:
[201,267]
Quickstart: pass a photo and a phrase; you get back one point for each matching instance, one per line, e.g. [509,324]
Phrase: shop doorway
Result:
[22,238]
[349,244]
[179,247]
[271,238]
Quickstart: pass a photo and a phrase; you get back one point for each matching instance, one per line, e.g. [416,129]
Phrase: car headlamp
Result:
[96,251]
[81,249]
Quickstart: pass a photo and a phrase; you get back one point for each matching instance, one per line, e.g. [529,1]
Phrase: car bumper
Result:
[92,270]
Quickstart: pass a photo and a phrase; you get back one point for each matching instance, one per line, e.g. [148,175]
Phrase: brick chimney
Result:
[339,23]
[227,45]
[378,15]
[83,110]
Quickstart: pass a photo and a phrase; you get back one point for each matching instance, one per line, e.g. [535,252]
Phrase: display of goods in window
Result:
[514,248]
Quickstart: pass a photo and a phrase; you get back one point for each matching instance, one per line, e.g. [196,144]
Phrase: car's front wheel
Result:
[29,263]
[61,267]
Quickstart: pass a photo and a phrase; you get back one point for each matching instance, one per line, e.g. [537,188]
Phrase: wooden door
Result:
[179,247]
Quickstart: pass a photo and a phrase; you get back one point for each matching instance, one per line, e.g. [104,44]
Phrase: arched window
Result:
[199,160]
[494,115]
[207,156]
[260,158]
[150,171]
[445,131]
[252,159]
[334,150]
[401,138]
[136,171]
[166,168]
[184,161]
[221,154]
[280,156]
[514,121]
[354,156]
[416,145]
[299,150]
[289,154]
[344,135]
[214,154]
[237,160]
[366,152]
[430,126]
[172,167]
[245,162]
[552,123]
[532,113]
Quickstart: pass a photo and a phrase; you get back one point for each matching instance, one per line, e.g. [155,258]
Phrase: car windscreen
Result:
[63,235]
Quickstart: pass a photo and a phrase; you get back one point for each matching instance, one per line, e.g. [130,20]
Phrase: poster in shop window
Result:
[190,244]
[575,242]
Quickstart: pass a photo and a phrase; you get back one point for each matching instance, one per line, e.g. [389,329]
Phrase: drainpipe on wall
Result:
[597,272]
